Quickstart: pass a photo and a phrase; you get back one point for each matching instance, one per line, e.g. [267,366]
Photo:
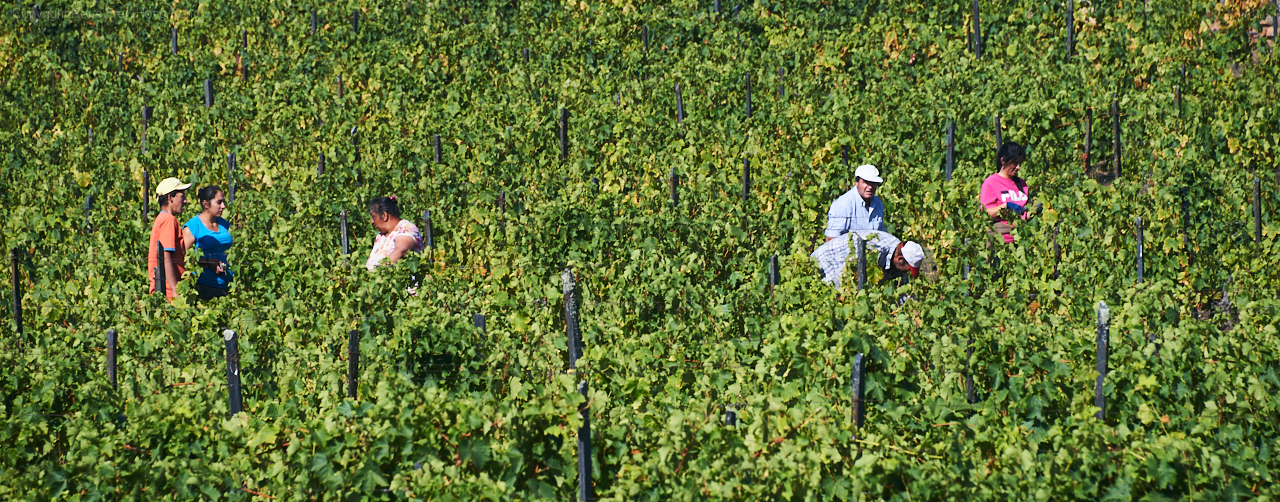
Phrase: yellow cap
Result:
[170,184]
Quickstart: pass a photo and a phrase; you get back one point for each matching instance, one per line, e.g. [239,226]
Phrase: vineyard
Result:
[617,300]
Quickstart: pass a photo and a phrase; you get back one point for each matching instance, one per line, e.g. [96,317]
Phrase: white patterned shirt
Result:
[833,254]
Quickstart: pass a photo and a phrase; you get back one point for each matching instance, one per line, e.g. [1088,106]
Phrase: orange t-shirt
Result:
[168,233]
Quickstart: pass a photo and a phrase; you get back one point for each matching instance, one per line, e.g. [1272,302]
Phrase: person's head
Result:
[868,180]
[384,213]
[172,195]
[211,200]
[907,257]
[1009,159]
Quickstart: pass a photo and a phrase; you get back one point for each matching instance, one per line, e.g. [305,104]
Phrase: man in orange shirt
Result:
[168,232]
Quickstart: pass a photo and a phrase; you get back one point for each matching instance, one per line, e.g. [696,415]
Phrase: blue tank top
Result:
[213,245]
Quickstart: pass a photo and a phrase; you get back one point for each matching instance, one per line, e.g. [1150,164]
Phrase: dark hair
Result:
[206,194]
[164,199]
[1009,153]
[387,205]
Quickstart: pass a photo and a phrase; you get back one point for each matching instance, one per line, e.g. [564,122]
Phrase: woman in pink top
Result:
[395,236]
[1005,190]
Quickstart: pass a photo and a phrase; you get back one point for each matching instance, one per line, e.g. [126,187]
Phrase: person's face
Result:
[899,262]
[176,201]
[1011,169]
[866,189]
[216,205]
[381,222]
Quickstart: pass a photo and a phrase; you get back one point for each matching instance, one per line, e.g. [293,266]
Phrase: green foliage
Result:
[678,318]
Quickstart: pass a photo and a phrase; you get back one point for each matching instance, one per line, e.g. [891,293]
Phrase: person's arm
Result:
[838,219]
[188,238]
[403,244]
[884,216]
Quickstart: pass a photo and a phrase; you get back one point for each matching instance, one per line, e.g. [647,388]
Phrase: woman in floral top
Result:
[395,236]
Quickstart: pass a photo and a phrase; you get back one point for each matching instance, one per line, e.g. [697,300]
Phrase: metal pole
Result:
[968,372]
[564,135]
[774,276]
[586,489]
[746,179]
[675,198]
[1103,342]
[999,136]
[1088,138]
[320,166]
[858,387]
[234,400]
[1138,224]
[748,95]
[951,149]
[1115,134]
[17,293]
[353,363]
[162,280]
[111,358]
[1257,210]
[571,317]
[146,194]
[208,93]
[343,224]
[679,106]
[977,31]
[437,148]
[860,247]
[1071,28]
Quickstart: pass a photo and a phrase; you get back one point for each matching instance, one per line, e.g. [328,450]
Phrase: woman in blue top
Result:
[212,234]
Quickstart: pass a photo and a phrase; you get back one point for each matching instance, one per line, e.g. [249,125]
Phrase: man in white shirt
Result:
[858,209]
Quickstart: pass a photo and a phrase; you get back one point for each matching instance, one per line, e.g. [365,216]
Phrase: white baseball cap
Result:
[169,185]
[869,173]
[914,254]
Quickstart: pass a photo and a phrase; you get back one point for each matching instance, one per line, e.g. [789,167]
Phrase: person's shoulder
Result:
[164,219]
[191,223]
[992,178]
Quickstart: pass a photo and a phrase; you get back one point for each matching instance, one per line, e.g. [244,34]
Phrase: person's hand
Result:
[1017,209]
[222,268]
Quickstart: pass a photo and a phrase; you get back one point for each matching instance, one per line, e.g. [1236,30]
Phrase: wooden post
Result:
[844,155]
[477,320]
[586,489]
[968,372]
[173,37]
[355,21]
[234,400]
[571,317]
[208,93]
[644,33]
[526,55]
[672,183]
[951,149]
[353,362]
[858,384]
[679,106]
[748,95]
[1115,135]
[313,21]
[1071,27]
[342,223]
[162,282]
[320,166]
[1138,225]
[730,417]
[112,347]
[1103,342]
[1186,231]
[436,142]
[341,87]
[1257,210]
[782,89]
[17,293]
[564,135]
[860,247]
[746,179]
[244,38]
[977,31]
